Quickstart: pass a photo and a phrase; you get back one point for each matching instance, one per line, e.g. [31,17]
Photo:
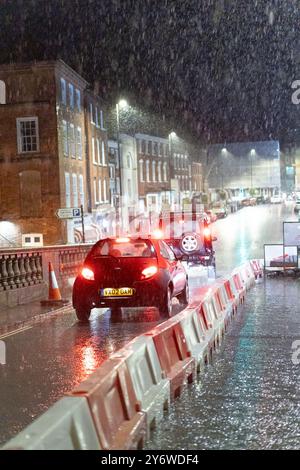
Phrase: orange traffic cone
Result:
[54,296]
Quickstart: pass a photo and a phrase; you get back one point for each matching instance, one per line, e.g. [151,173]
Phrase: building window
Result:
[65,138]
[165,172]
[159,172]
[143,147]
[67,189]
[98,152]
[75,190]
[71,95]
[147,171]
[93,151]
[128,161]
[63,90]
[100,189]
[78,100]
[155,149]
[154,171]
[79,143]
[95,191]
[2,92]
[103,154]
[150,147]
[141,162]
[101,119]
[105,191]
[161,150]
[28,134]
[81,190]
[92,113]
[96,117]
[112,172]
[72,141]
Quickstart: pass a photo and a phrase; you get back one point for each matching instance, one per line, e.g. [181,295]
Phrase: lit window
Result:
[141,171]
[154,171]
[78,100]
[93,151]
[79,143]
[71,95]
[101,119]
[65,138]
[96,117]
[28,134]
[159,171]
[72,141]
[105,191]
[147,171]
[98,152]
[95,191]
[81,190]
[75,190]
[63,90]
[67,190]
[100,189]
[2,92]
[103,154]
[92,113]
[165,171]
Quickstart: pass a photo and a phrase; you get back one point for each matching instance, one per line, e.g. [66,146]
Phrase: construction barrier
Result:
[196,335]
[123,400]
[175,359]
[67,425]
[114,407]
[151,386]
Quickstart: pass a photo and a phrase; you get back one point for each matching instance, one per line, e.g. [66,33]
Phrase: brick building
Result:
[180,170]
[154,172]
[197,177]
[44,150]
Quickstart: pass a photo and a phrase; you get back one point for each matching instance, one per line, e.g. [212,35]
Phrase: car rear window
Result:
[175,227]
[128,249]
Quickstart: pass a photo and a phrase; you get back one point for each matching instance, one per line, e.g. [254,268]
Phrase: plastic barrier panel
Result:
[256,268]
[67,425]
[196,335]
[237,279]
[114,406]
[227,302]
[152,390]
[174,356]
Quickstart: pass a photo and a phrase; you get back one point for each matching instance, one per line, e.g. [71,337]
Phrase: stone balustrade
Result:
[20,269]
[24,272]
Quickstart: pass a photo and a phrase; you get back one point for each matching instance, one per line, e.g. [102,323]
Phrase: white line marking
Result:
[15,332]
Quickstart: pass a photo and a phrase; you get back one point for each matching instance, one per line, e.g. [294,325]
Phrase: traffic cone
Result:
[54,296]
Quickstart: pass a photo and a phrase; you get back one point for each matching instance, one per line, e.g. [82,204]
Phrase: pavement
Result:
[21,316]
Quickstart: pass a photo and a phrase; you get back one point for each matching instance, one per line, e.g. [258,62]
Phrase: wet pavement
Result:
[47,360]
[249,398]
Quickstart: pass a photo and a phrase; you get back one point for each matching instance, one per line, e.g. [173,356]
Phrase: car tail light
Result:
[123,240]
[149,272]
[207,233]
[88,274]
[158,234]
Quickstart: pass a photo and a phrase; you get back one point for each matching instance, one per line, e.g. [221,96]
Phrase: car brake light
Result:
[88,274]
[123,240]
[158,234]
[207,233]
[149,272]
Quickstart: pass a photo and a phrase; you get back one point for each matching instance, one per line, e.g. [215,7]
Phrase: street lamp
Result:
[224,153]
[252,153]
[122,104]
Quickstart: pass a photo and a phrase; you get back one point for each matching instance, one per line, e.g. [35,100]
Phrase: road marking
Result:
[15,332]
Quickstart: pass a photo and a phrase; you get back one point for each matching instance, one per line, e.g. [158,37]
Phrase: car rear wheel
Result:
[83,314]
[190,242]
[166,306]
[183,297]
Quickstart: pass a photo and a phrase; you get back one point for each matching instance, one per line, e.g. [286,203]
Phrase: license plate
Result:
[117,292]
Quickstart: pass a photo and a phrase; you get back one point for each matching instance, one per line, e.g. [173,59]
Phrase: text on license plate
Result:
[117,292]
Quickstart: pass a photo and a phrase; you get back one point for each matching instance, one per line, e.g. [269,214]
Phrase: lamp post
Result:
[224,153]
[252,153]
[171,162]
[119,106]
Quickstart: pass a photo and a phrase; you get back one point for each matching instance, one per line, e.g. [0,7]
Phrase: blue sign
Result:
[76,212]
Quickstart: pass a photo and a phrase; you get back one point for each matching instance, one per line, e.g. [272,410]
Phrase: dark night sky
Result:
[223,68]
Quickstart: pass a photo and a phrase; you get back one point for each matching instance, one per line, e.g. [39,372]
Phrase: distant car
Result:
[276,199]
[129,272]
[221,212]
[211,216]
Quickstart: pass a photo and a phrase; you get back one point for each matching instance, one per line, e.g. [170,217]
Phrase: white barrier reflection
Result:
[2,353]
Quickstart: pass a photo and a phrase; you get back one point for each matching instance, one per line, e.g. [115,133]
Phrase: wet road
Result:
[47,360]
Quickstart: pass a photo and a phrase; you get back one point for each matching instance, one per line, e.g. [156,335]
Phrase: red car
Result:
[129,272]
